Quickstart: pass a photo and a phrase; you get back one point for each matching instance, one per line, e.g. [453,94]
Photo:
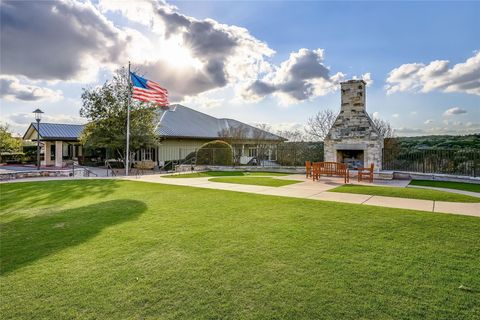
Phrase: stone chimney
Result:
[353,96]
[353,138]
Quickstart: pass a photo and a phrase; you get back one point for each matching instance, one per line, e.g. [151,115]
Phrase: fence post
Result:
[423,161]
[474,164]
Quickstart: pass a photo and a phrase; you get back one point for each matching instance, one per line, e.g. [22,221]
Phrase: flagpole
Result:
[128,122]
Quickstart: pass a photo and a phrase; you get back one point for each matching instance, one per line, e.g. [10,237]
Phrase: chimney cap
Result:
[353,81]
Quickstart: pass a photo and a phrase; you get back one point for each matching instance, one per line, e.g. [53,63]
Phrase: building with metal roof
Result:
[182,131]
[182,122]
[55,131]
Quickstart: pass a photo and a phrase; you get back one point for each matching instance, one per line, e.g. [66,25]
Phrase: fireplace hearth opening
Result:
[352,158]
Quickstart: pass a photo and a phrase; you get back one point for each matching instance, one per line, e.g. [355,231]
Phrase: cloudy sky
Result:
[258,62]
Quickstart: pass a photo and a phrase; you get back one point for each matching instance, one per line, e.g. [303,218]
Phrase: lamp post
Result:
[38,117]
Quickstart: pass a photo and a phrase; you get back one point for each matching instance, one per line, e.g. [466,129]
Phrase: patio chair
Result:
[315,172]
[308,169]
[365,173]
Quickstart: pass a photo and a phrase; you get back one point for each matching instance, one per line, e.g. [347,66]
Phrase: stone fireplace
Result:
[353,138]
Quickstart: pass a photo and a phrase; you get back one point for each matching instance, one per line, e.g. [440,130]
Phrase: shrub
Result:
[215,153]
[12,157]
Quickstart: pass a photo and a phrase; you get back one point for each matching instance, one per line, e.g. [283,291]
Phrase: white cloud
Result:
[454,111]
[437,75]
[429,121]
[184,54]
[19,121]
[58,40]
[202,101]
[376,115]
[190,56]
[27,118]
[12,89]
[287,126]
[301,77]
[367,77]
[395,115]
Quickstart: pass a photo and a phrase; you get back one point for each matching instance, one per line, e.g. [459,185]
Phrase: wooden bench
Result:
[330,169]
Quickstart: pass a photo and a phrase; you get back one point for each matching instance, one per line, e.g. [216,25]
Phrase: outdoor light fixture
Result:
[38,117]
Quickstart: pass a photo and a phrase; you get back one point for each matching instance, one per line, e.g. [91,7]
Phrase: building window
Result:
[146,154]
[252,152]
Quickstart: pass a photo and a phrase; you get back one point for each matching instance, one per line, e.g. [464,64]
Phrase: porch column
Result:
[47,153]
[74,153]
[58,153]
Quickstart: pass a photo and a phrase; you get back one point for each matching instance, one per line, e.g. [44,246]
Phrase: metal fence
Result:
[463,162]
[280,155]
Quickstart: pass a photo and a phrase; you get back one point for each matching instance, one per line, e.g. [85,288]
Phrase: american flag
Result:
[148,90]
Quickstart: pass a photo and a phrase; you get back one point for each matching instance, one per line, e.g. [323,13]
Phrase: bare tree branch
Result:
[319,125]
[384,128]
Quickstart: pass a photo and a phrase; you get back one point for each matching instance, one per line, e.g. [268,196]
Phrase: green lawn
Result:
[108,249]
[256,181]
[224,174]
[411,193]
[474,187]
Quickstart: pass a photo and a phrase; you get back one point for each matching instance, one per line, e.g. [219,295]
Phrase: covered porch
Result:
[60,145]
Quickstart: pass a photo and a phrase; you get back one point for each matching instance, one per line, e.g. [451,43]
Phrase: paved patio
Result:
[308,189]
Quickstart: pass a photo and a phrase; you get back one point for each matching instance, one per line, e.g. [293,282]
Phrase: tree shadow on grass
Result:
[25,194]
[23,241]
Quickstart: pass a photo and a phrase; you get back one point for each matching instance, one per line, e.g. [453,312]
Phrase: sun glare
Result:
[177,55]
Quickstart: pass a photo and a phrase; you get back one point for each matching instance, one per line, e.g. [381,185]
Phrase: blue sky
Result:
[425,95]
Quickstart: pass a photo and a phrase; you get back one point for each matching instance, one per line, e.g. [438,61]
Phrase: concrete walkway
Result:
[308,189]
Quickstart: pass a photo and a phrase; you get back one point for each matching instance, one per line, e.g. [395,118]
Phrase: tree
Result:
[8,144]
[215,152]
[384,128]
[289,152]
[232,135]
[260,135]
[106,109]
[319,125]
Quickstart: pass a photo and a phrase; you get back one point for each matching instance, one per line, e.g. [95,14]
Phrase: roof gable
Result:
[176,122]
[180,121]
[54,131]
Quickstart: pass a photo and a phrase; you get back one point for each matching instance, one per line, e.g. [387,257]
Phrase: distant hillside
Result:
[440,142]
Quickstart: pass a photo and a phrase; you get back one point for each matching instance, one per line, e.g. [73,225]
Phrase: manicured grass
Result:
[108,249]
[474,187]
[223,174]
[256,181]
[410,193]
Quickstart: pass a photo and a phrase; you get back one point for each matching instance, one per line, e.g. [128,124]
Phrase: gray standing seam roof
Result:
[62,131]
[182,122]
[177,122]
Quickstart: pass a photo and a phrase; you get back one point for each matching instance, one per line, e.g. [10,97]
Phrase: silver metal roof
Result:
[176,122]
[58,131]
[182,122]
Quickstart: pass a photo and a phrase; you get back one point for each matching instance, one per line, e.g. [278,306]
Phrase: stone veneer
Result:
[354,129]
